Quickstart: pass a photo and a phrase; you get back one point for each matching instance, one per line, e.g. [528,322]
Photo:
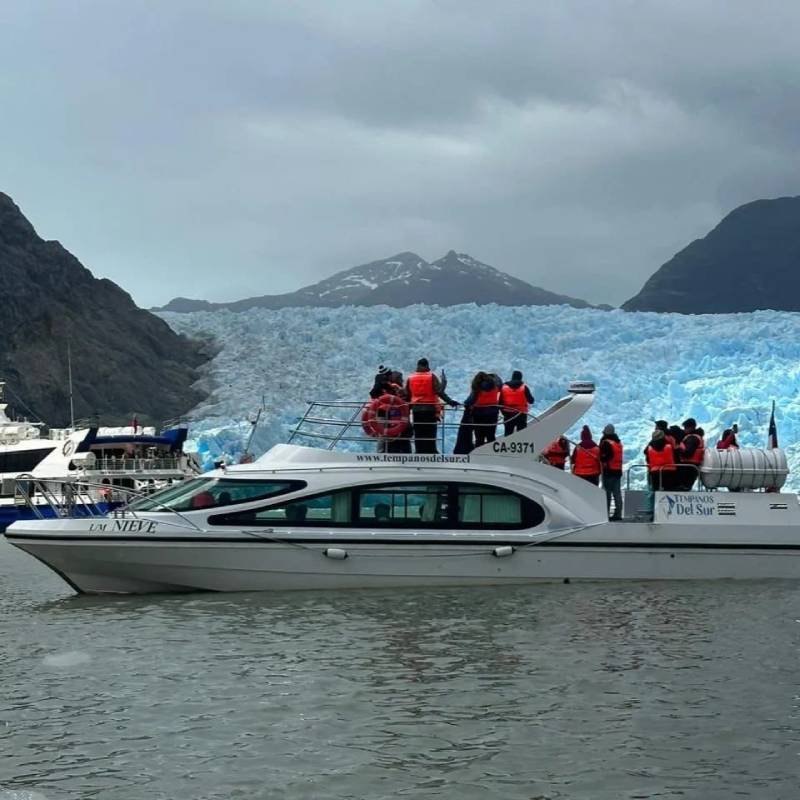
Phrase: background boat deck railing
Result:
[118,465]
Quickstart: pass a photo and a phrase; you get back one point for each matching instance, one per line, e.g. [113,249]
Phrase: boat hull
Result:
[142,564]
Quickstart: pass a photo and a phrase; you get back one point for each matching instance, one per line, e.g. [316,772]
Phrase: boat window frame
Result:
[532,513]
[235,517]
[290,486]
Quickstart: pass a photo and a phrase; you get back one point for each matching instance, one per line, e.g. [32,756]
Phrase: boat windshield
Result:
[201,493]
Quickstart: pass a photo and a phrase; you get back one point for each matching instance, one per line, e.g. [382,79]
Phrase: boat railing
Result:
[79,499]
[670,470]
[340,423]
[635,468]
[132,465]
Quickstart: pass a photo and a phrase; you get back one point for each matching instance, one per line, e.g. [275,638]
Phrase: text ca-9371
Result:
[514,448]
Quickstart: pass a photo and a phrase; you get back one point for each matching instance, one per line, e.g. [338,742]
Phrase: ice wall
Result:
[719,369]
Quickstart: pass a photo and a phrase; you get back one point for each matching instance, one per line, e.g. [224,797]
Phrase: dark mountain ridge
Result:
[749,261]
[125,360]
[401,280]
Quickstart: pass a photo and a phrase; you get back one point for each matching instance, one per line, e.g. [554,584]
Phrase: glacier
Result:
[720,369]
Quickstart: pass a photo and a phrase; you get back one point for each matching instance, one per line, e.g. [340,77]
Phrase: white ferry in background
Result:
[306,518]
[83,471]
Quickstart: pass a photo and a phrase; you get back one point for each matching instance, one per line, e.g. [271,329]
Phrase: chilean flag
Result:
[772,434]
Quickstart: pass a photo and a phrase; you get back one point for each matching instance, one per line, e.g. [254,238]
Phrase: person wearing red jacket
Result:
[515,400]
[586,458]
[557,452]
[423,391]
[728,440]
[660,459]
[483,404]
[611,457]
[690,455]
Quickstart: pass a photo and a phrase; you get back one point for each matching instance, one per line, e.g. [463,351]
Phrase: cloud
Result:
[225,150]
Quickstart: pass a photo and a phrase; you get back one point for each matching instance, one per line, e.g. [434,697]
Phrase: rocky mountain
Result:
[750,261]
[402,280]
[125,360]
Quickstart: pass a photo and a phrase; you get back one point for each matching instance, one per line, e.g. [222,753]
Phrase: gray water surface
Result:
[556,691]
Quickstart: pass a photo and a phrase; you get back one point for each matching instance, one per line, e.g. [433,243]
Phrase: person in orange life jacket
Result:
[611,455]
[423,390]
[660,458]
[515,400]
[557,452]
[728,440]
[586,458]
[483,404]
[690,455]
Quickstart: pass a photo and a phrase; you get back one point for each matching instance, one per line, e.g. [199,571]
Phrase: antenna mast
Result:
[69,371]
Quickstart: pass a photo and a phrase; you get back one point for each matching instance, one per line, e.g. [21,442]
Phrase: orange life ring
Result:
[385,416]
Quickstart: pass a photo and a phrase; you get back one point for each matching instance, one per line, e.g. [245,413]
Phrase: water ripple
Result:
[583,691]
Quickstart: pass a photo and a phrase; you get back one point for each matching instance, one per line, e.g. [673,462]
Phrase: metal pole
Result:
[69,370]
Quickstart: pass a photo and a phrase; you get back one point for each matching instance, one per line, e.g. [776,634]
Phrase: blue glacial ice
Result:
[719,369]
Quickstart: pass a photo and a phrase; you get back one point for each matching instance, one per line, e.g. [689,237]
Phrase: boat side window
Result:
[418,505]
[23,460]
[491,507]
[333,508]
[202,493]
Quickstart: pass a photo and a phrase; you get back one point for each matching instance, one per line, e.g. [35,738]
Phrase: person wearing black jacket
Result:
[383,383]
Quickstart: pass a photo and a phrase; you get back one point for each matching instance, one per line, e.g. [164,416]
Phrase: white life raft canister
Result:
[746,468]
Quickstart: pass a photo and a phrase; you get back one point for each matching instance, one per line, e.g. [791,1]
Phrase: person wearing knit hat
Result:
[383,383]
[611,457]
[586,458]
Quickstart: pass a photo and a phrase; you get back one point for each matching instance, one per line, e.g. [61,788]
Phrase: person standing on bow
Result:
[586,458]
[423,390]
[611,456]
[515,400]
[483,403]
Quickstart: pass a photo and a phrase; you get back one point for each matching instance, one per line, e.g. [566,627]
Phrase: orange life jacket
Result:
[487,397]
[420,386]
[697,456]
[514,399]
[586,461]
[615,462]
[660,460]
[556,455]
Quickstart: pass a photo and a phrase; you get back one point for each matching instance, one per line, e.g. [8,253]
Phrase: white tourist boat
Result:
[308,518]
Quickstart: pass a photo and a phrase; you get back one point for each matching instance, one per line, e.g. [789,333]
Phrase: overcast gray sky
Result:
[225,149]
